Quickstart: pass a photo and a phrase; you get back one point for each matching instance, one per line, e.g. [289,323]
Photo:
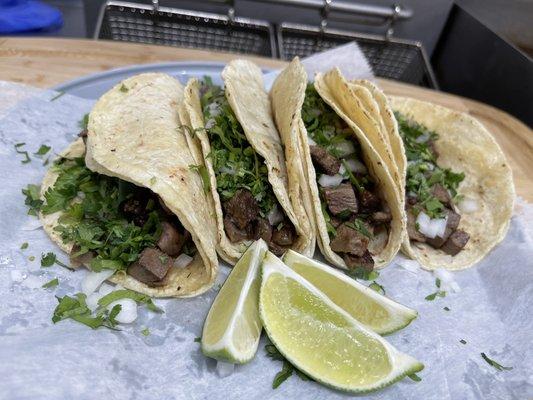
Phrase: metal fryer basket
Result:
[396,59]
[134,22]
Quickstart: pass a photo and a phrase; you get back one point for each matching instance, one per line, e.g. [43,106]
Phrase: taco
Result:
[122,197]
[355,203]
[245,164]
[459,187]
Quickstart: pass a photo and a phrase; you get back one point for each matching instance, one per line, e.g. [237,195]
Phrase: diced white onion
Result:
[214,109]
[345,148]
[275,216]
[210,123]
[224,369]
[468,206]
[356,166]
[342,170]
[447,281]
[311,141]
[128,312]
[330,180]
[431,227]
[182,260]
[422,138]
[93,280]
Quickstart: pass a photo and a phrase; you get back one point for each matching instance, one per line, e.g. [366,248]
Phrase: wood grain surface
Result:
[45,62]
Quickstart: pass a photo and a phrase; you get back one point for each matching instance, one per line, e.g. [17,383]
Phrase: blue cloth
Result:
[23,16]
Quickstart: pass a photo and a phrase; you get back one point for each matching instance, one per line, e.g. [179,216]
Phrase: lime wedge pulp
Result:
[367,306]
[232,327]
[321,339]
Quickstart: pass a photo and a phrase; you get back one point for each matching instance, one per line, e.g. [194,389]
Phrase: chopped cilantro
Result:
[282,375]
[235,163]
[42,150]
[26,155]
[123,88]
[359,226]
[423,172]
[33,198]
[84,122]
[287,369]
[377,287]
[24,246]
[76,308]
[438,293]
[198,339]
[145,331]
[494,364]
[437,282]
[414,377]
[52,283]
[363,274]
[332,232]
[202,170]
[49,259]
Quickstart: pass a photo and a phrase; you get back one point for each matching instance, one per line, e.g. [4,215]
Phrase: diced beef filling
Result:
[354,212]
[243,221]
[154,262]
[451,225]
[441,194]
[456,242]
[151,267]
[324,161]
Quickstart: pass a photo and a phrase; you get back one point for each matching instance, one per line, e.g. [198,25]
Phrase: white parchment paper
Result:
[490,308]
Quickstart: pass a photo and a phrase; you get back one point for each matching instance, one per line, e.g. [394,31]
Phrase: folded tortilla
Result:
[287,94]
[464,144]
[134,135]
[246,95]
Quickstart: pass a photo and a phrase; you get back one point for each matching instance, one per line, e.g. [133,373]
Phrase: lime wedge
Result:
[232,327]
[321,339]
[367,306]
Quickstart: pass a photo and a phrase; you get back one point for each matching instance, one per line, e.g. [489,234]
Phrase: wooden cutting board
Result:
[45,62]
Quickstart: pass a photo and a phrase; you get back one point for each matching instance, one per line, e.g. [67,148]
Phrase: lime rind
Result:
[225,348]
[402,364]
[399,315]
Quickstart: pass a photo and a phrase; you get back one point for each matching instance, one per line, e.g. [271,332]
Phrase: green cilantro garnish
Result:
[145,331]
[42,150]
[24,246]
[33,198]
[26,155]
[377,287]
[414,377]
[94,222]
[359,226]
[49,259]
[332,232]
[235,163]
[52,283]
[198,339]
[494,364]
[423,172]
[437,282]
[202,170]
[352,177]
[438,293]
[123,88]
[84,122]
[363,274]
[57,96]
[76,308]
[287,368]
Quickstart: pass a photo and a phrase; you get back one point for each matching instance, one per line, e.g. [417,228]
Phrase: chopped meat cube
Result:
[324,161]
[242,208]
[263,230]
[365,261]
[442,194]
[413,233]
[341,199]
[369,201]
[152,266]
[335,222]
[412,200]
[456,242]
[381,217]
[171,240]
[276,249]
[451,226]
[348,240]
[285,235]
[233,232]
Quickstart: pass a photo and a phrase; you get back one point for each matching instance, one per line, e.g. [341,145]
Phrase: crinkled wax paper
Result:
[489,307]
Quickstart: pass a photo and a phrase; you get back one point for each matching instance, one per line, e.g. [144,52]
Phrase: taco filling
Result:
[357,219]
[114,224]
[431,192]
[250,207]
